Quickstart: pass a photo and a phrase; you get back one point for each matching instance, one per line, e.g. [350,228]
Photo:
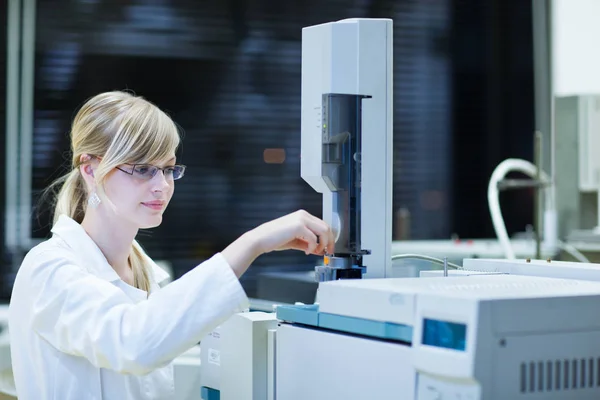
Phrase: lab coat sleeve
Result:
[83,315]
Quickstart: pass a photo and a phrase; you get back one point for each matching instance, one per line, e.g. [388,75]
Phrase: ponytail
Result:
[70,200]
[139,266]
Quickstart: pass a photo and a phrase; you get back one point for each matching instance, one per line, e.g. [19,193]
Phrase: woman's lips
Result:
[154,205]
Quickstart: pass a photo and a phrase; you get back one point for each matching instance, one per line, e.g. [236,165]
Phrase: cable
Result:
[573,251]
[506,166]
[426,258]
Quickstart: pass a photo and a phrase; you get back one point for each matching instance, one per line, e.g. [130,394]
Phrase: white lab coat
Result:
[77,331]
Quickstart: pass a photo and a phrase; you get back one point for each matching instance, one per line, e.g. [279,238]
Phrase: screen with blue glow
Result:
[449,335]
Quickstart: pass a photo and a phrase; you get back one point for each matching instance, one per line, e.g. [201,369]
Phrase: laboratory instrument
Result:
[346,140]
[488,331]
[496,331]
[490,336]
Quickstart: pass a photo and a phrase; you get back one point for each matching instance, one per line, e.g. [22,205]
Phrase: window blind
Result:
[229,74]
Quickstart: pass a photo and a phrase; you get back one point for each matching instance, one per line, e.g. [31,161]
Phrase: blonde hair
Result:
[117,128]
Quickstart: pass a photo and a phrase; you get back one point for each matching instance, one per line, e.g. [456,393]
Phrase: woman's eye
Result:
[142,170]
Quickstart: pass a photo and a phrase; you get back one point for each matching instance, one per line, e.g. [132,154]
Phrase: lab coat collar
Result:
[77,238]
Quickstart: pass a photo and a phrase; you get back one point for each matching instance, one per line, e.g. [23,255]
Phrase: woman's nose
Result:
[160,181]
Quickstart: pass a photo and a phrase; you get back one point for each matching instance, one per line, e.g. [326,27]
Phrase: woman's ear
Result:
[87,172]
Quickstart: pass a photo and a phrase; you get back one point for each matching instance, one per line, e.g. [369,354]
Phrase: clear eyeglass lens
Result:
[145,171]
[177,172]
[148,171]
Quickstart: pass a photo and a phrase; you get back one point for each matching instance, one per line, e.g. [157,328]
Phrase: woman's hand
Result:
[296,231]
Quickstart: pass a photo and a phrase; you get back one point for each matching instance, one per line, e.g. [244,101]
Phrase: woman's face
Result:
[141,193]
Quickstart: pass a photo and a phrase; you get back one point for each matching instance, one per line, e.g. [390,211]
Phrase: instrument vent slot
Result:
[559,375]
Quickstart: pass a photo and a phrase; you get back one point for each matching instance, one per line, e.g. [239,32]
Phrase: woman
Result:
[87,319]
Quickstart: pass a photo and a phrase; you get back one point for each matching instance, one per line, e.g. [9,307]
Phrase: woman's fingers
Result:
[310,239]
[315,224]
[322,230]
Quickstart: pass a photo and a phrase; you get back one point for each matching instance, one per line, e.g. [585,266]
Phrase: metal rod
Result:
[426,258]
[537,160]
[13,65]
[521,184]
[26,121]
[445,266]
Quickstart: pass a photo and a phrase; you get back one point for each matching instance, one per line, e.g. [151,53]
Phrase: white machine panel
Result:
[210,357]
[589,142]
[394,299]
[319,365]
[555,366]
[353,56]
[244,356]
[390,299]
[541,268]
[435,388]
[492,337]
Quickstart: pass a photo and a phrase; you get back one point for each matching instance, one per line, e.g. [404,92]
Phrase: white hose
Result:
[506,166]
[426,258]
[550,228]
[573,251]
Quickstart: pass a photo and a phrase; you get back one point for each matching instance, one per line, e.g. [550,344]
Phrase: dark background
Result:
[229,71]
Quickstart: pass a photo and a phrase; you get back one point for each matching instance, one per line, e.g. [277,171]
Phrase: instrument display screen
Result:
[448,335]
